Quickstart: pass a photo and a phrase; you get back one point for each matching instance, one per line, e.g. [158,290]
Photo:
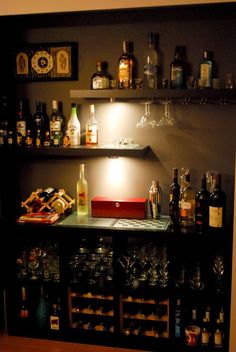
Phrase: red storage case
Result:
[127,208]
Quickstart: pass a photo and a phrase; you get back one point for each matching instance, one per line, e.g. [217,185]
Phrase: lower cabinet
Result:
[149,290]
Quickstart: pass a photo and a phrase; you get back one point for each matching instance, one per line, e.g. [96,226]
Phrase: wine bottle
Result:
[187,204]
[206,67]
[217,206]
[54,319]
[20,125]
[73,127]
[100,79]
[92,127]
[174,200]
[202,207]
[178,69]
[151,63]
[125,68]
[38,122]
[82,193]
[56,125]
[23,312]
[42,311]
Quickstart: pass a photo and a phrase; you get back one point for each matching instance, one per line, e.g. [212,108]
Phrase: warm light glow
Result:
[115,173]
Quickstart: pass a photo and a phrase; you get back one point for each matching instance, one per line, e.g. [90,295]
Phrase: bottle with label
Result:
[218,336]
[56,125]
[4,119]
[38,140]
[92,127]
[38,122]
[178,69]
[29,139]
[21,125]
[206,67]
[178,319]
[217,206]
[151,63]
[202,207]
[205,333]
[100,79]
[82,193]
[155,199]
[187,204]
[73,127]
[126,68]
[54,319]
[23,311]
[174,200]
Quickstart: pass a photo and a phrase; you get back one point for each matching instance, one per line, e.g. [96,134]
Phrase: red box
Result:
[127,208]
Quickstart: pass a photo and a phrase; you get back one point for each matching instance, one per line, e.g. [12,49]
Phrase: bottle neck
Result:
[81,171]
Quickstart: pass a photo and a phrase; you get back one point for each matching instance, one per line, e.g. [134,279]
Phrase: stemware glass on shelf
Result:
[146,120]
[167,118]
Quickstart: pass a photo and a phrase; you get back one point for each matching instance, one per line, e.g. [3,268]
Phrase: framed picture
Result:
[46,62]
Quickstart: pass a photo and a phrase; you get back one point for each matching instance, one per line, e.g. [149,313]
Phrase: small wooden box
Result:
[127,208]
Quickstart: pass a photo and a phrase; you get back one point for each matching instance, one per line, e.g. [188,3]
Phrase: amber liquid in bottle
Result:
[125,68]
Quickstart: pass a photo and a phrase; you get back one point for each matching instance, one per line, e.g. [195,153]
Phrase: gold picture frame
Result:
[46,62]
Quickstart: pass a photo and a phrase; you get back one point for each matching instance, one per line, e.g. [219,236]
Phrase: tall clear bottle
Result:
[125,68]
[73,127]
[151,63]
[92,127]
[82,192]
[187,204]
[56,125]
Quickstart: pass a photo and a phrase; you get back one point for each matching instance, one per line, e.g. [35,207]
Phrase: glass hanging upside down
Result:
[167,118]
[146,118]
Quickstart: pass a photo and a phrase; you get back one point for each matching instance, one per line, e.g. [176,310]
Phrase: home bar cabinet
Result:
[99,296]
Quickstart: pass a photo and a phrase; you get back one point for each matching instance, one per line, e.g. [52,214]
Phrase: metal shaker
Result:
[155,199]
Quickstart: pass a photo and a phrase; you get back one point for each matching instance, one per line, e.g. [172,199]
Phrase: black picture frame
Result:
[46,62]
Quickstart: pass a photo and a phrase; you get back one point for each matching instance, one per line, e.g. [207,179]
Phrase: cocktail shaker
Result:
[155,199]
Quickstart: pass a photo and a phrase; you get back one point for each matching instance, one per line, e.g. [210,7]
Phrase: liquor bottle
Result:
[155,199]
[187,203]
[178,69]
[1,138]
[100,79]
[205,333]
[178,319]
[54,319]
[73,127]
[46,142]
[82,193]
[23,312]
[218,336]
[20,125]
[10,138]
[202,207]
[206,67]
[38,140]
[4,119]
[174,200]
[217,206]
[126,68]
[92,127]
[151,63]
[38,122]
[56,125]
[29,139]
[42,311]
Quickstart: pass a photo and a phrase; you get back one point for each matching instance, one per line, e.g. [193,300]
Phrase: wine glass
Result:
[145,119]
[167,118]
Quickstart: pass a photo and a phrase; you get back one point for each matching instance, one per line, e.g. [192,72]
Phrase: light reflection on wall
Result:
[115,175]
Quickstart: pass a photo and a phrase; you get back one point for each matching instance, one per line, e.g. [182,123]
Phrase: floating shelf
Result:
[81,151]
[122,94]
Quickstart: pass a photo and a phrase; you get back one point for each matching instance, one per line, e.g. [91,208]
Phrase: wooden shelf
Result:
[81,151]
[122,94]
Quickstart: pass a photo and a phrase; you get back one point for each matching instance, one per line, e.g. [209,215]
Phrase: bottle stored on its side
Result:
[178,69]
[174,200]
[126,68]
[187,204]
[73,127]
[92,127]
[217,206]
[202,207]
[100,79]
[206,67]
[151,63]
[56,125]
[82,193]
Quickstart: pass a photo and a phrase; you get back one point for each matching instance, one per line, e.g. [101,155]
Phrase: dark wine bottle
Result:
[217,206]
[42,311]
[178,69]
[38,121]
[202,207]
[174,200]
